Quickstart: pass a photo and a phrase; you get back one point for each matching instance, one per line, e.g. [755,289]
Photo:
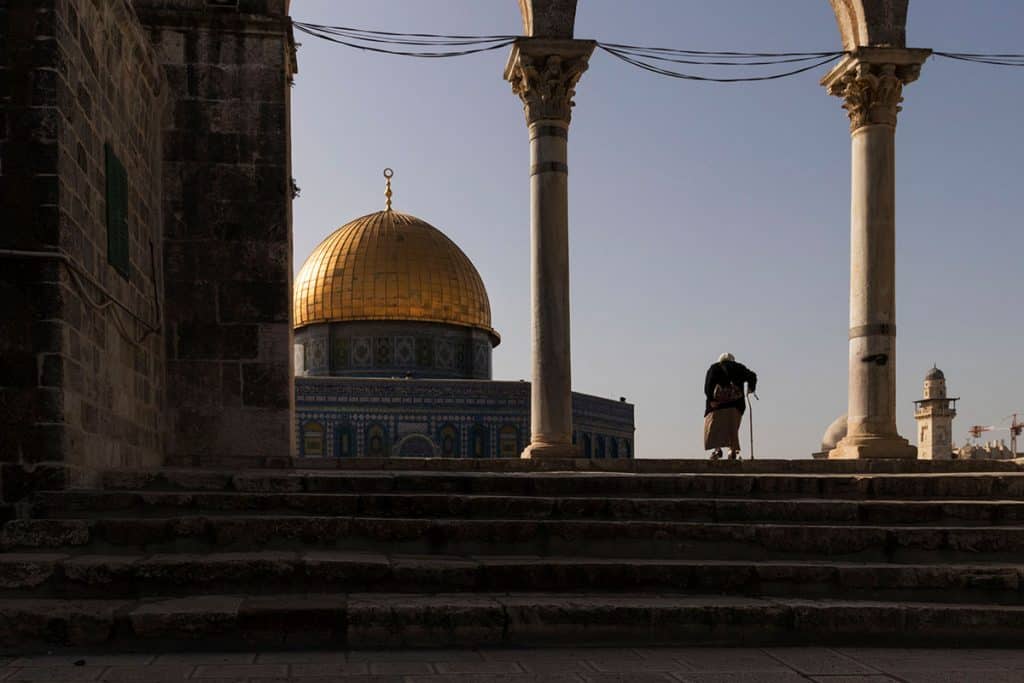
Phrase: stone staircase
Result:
[517,553]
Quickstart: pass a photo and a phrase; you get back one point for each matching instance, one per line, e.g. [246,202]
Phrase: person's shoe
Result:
[716,454]
[734,455]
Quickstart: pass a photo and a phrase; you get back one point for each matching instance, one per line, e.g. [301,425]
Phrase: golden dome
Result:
[390,266]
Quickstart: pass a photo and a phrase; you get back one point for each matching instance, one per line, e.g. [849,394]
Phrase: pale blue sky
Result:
[703,217]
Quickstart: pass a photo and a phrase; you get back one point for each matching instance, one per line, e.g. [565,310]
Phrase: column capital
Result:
[544,73]
[870,81]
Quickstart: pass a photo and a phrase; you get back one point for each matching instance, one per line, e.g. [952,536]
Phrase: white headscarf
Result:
[726,356]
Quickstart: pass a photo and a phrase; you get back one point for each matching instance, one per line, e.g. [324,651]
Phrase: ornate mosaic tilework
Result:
[444,354]
[383,351]
[405,351]
[340,353]
[362,353]
[461,418]
[316,354]
[424,352]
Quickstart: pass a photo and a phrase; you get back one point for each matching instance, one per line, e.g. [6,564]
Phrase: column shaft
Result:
[870,81]
[543,73]
[551,391]
[872,388]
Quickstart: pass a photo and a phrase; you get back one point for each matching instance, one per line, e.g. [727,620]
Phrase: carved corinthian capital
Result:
[544,74]
[870,82]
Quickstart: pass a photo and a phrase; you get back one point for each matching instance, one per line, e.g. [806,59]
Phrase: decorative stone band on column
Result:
[544,73]
[869,330]
[870,81]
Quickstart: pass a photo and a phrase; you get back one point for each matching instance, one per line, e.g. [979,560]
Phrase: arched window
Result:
[627,449]
[599,446]
[448,437]
[416,446]
[479,446]
[613,447]
[344,442]
[313,440]
[508,441]
[586,451]
[376,441]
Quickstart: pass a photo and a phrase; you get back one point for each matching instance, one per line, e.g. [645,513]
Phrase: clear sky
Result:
[704,218]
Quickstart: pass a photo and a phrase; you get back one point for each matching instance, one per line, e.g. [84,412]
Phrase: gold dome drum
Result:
[391,266]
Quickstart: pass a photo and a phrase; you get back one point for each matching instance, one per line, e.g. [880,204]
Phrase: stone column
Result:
[870,81]
[544,73]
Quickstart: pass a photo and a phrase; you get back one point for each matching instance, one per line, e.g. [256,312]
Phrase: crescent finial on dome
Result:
[388,174]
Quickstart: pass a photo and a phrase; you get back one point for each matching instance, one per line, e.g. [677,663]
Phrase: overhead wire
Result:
[995,59]
[651,59]
[353,38]
[634,60]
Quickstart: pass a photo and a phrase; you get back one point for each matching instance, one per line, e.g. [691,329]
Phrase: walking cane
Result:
[750,406]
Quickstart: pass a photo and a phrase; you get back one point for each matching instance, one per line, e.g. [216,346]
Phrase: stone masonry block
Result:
[254,302]
[58,622]
[196,383]
[201,341]
[195,617]
[266,385]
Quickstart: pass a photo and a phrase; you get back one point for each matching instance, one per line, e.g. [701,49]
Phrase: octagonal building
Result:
[393,345]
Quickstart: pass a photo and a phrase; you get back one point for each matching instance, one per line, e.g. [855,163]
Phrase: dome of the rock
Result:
[393,350]
[390,266]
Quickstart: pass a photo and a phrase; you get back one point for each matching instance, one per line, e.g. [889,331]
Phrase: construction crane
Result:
[977,430]
[1016,428]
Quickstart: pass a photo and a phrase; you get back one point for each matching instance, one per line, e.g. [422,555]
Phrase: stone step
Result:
[992,485]
[359,620]
[635,466]
[269,572]
[711,540]
[92,504]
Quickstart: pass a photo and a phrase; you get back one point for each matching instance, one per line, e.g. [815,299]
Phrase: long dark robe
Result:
[724,373]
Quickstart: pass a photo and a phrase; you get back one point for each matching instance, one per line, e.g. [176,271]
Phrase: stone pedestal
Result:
[544,73]
[870,81]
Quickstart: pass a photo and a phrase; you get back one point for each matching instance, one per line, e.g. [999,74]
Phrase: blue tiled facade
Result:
[378,417]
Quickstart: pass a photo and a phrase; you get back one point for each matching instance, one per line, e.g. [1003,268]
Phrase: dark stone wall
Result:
[81,354]
[227,226]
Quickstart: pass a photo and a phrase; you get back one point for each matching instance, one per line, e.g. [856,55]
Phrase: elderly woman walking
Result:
[725,405]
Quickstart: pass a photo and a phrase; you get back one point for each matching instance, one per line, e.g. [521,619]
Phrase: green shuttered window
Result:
[117,214]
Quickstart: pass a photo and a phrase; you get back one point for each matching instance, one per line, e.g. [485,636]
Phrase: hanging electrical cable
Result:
[981,58]
[642,57]
[353,38]
[633,59]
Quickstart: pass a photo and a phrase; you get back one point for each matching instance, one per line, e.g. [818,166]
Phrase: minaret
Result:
[934,414]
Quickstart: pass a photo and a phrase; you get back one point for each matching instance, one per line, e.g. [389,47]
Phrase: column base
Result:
[873,447]
[550,450]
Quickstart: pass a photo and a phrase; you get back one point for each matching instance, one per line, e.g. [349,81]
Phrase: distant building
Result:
[992,450]
[393,343]
[934,414]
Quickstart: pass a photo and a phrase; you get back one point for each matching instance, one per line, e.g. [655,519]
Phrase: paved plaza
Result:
[699,665]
